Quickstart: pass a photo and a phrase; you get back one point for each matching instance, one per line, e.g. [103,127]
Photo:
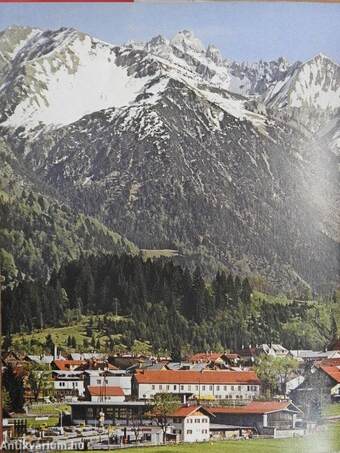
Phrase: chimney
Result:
[55,354]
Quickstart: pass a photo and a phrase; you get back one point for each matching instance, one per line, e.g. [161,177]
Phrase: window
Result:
[175,387]
[203,387]
[232,388]
[217,388]
[225,388]
[168,387]
[239,388]
[182,387]
[160,386]
[153,387]
[197,387]
[210,387]
[248,388]
[189,431]
[189,388]
[99,381]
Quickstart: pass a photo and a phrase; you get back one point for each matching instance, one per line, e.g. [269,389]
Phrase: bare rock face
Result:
[169,144]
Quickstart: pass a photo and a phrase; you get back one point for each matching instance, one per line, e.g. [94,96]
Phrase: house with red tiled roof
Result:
[332,371]
[109,378]
[67,365]
[199,385]
[105,393]
[216,359]
[266,417]
[321,386]
[191,423]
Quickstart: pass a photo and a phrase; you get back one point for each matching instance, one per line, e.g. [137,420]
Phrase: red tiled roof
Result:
[65,365]
[197,377]
[185,411]
[97,365]
[205,357]
[105,390]
[329,362]
[255,407]
[332,371]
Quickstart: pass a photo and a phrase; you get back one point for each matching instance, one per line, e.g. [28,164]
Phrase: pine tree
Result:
[198,290]
[49,344]
[14,385]
[246,291]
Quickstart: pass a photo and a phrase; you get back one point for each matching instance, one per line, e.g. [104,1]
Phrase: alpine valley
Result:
[168,145]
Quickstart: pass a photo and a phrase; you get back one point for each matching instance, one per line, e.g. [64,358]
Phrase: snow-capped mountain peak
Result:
[186,41]
[313,86]
[55,77]
[214,54]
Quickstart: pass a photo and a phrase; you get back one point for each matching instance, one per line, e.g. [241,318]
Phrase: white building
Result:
[204,385]
[191,424]
[307,355]
[105,393]
[68,383]
[113,378]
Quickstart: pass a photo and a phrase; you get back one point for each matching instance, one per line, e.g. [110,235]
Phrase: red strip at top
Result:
[66,1]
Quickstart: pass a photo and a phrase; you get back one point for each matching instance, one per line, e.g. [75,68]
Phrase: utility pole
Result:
[2,279]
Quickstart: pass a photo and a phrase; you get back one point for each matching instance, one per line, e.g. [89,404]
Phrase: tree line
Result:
[160,302]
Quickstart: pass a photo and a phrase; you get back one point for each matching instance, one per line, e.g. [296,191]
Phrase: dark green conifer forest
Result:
[160,302]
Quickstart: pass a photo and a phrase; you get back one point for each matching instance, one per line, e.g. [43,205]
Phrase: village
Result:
[106,401]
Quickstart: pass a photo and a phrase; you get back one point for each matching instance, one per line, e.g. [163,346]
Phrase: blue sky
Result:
[243,31]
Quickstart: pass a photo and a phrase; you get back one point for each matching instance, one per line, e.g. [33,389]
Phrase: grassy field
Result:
[327,441]
[78,330]
[49,409]
[154,253]
[39,424]
[332,410]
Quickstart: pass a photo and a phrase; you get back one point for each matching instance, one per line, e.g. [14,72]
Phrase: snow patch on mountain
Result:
[70,93]
[314,84]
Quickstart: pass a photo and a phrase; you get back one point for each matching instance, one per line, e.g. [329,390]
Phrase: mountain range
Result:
[170,145]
